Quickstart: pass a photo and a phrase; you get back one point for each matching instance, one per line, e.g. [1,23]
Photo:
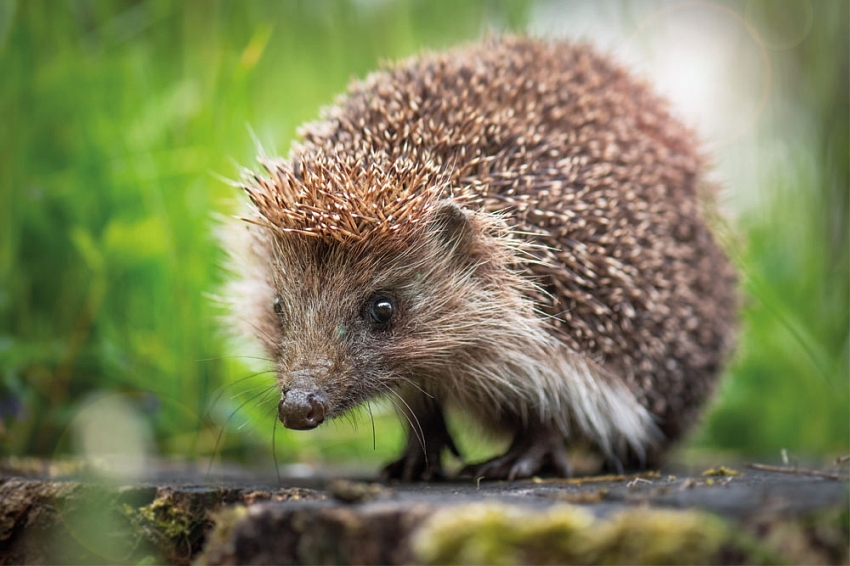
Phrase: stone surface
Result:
[182,515]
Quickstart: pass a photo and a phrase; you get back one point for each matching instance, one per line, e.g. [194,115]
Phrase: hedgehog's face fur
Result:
[367,275]
[346,321]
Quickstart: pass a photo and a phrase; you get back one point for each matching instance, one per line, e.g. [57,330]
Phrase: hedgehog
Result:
[515,230]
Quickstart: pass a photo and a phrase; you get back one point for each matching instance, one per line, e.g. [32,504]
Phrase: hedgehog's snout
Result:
[303,401]
[301,410]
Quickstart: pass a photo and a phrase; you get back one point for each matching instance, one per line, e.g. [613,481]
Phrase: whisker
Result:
[372,420]
[409,381]
[349,416]
[250,389]
[257,328]
[262,400]
[417,430]
[401,412]
[274,450]
[221,358]
[218,392]
[221,429]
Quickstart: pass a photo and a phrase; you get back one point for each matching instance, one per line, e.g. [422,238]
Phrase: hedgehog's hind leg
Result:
[427,436]
[535,450]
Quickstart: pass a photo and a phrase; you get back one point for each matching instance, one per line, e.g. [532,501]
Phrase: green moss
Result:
[172,521]
[721,471]
[501,534]
[225,521]
[640,536]
[169,525]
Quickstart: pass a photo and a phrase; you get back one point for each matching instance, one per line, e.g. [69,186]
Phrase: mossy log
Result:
[721,516]
[87,522]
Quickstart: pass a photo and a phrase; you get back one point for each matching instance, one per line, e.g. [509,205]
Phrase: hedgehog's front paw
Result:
[422,458]
[415,465]
[538,451]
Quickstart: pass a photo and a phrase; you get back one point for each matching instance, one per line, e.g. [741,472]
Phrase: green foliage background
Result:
[117,119]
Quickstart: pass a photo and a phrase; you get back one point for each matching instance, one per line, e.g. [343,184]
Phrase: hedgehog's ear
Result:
[454,228]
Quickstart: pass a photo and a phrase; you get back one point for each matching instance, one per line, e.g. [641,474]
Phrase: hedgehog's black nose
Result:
[301,410]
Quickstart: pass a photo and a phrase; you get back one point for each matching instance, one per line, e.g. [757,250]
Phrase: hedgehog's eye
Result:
[278,306]
[381,309]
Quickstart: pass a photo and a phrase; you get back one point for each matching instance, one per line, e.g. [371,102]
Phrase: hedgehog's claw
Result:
[531,453]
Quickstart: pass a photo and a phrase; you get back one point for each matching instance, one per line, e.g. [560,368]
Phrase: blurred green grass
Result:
[116,119]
